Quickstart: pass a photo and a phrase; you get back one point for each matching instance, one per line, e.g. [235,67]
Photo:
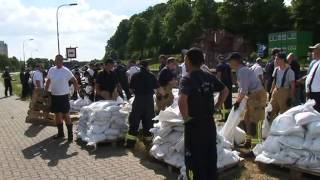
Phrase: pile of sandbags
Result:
[76,105]
[293,139]
[101,121]
[168,141]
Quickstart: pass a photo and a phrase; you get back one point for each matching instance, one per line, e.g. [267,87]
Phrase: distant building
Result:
[216,42]
[296,42]
[3,48]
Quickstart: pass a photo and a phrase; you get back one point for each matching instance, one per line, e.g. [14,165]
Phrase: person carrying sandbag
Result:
[38,83]
[167,80]
[250,86]
[107,82]
[283,87]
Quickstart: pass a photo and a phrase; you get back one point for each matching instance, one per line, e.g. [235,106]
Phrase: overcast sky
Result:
[87,26]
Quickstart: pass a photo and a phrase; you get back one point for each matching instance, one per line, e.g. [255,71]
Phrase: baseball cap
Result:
[259,59]
[221,57]
[234,56]
[144,63]
[317,46]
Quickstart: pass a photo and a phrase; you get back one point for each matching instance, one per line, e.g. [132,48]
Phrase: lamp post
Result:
[24,55]
[57,18]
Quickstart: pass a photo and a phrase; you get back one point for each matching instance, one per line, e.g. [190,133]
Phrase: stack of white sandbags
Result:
[168,142]
[293,139]
[102,120]
[76,105]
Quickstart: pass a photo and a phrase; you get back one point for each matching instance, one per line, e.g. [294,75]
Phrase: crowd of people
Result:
[279,83]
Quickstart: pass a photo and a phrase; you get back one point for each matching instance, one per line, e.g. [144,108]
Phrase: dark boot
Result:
[70,132]
[130,143]
[60,132]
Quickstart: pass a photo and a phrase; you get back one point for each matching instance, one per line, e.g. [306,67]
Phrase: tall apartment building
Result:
[3,48]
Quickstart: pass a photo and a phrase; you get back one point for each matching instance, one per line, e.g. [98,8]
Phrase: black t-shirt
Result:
[270,69]
[162,66]
[296,69]
[143,83]
[226,76]
[199,86]
[107,80]
[165,76]
[121,72]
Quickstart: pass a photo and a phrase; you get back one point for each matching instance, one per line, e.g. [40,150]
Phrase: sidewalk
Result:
[28,152]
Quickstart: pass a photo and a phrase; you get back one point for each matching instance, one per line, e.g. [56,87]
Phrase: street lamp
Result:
[57,18]
[24,55]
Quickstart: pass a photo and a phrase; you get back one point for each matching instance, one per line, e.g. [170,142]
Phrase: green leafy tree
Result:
[306,14]
[179,13]
[138,35]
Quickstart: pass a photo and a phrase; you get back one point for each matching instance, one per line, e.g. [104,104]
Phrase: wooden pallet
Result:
[172,168]
[296,173]
[40,118]
[113,143]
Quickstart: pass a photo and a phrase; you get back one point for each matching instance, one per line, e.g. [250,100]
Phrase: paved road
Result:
[28,152]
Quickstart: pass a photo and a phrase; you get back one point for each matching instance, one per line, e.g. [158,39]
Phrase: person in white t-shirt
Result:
[37,81]
[37,78]
[312,83]
[257,69]
[58,80]
[133,68]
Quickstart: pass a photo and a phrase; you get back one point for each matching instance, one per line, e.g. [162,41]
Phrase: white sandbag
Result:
[94,138]
[286,125]
[234,118]
[112,132]
[294,142]
[240,136]
[101,115]
[96,129]
[313,130]
[112,108]
[266,124]
[304,118]
[264,159]
[271,144]
[315,146]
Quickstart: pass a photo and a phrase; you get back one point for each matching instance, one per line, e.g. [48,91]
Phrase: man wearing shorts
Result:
[58,80]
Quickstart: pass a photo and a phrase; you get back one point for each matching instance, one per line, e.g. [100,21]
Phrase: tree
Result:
[179,12]
[306,16]
[155,34]
[119,40]
[138,35]
[205,14]
[254,19]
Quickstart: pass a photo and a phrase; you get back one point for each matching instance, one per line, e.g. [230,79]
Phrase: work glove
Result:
[236,106]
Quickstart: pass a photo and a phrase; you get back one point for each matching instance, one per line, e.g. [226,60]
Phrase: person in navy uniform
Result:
[7,81]
[143,85]
[196,104]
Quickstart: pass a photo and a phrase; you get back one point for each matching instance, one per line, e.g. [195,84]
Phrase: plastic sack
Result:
[286,125]
[304,118]
[313,130]
[266,124]
[240,136]
[234,118]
